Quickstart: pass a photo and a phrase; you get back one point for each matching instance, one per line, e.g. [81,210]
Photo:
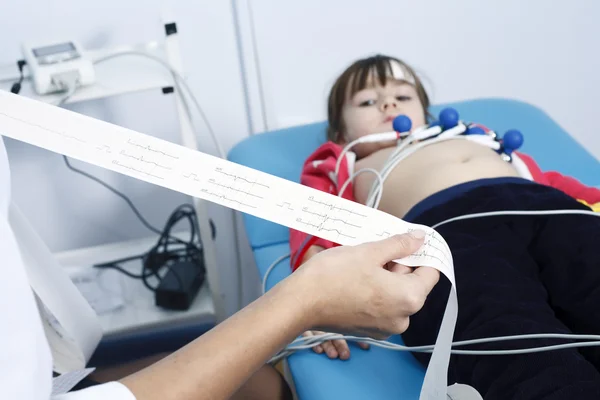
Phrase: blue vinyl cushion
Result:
[378,373]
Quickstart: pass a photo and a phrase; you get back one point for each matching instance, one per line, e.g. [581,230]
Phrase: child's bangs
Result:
[380,70]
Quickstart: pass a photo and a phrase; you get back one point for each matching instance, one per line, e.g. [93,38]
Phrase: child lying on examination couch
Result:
[514,274]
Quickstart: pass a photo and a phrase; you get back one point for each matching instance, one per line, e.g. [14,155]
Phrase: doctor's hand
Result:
[358,290]
[350,289]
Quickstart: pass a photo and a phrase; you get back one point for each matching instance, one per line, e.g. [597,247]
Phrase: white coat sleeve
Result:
[25,357]
[110,390]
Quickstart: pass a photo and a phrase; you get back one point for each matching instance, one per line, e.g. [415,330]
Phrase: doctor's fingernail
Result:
[417,234]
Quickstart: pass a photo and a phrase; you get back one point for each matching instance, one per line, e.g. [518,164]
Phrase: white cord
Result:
[357,173]
[273,265]
[70,92]
[405,149]
[372,138]
[403,152]
[312,341]
[303,343]
[420,133]
[518,212]
[68,82]
[399,154]
[178,80]
[342,155]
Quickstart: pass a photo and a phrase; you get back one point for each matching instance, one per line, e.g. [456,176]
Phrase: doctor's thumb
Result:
[399,246]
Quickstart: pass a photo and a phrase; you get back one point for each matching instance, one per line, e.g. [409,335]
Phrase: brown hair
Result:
[355,78]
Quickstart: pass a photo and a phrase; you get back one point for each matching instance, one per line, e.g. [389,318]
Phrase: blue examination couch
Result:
[378,373]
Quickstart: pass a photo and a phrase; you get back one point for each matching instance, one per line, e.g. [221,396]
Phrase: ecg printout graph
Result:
[219,181]
[235,186]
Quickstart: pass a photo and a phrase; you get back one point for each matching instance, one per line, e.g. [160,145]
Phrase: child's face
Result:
[373,109]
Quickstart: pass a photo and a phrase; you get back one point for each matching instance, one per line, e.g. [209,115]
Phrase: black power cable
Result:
[169,249]
[16,87]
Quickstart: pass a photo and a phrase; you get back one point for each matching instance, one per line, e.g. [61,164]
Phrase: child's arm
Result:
[303,247]
[317,173]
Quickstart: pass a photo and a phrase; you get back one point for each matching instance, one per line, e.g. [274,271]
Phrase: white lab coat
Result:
[25,357]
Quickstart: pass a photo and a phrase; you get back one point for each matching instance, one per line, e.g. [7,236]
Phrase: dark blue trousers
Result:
[516,275]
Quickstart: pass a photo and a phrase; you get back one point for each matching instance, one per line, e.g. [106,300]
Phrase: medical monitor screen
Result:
[54,49]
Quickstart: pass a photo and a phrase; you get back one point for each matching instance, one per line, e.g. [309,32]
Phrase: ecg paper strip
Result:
[65,382]
[232,185]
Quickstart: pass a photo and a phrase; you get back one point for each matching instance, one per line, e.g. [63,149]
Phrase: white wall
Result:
[70,211]
[538,51]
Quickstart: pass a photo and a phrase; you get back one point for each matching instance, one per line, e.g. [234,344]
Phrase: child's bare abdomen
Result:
[427,171]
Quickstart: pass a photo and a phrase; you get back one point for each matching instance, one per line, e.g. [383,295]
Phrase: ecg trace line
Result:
[141,158]
[224,197]
[234,189]
[334,207]
[192,175]
[328,218]
[321,228]
[444,261]
[338,232]
[43,127]
[149,148]
[73,137]
[237,177]
[437,249]
[116,162]
[285,203]
[431,247]
[105,148]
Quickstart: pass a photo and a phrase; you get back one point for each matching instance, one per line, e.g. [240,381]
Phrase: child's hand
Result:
[333,348]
